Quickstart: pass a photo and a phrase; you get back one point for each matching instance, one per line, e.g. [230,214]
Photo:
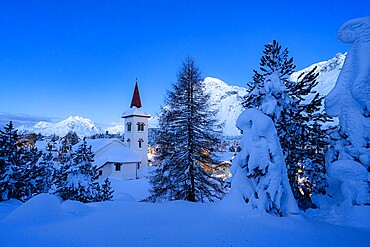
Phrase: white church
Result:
[123,160]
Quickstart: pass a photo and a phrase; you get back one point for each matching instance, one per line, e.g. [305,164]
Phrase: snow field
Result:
[44,221]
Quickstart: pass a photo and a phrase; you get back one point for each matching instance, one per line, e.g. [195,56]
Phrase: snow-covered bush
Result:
[259,169]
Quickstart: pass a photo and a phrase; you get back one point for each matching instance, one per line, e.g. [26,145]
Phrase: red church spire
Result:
[136,97]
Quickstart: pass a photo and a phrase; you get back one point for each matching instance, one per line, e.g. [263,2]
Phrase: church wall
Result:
[134,135]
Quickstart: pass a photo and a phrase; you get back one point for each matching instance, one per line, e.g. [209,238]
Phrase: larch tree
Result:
[188,134]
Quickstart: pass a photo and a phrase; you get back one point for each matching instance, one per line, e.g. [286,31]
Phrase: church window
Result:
[140,141]
[129,124]
[100,172]
[140,126]
[118,166]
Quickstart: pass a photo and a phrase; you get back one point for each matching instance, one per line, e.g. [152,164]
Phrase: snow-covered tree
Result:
[72,138]
[49,170]
[295,109]
[79,176]
[259,170]
[18,167]
[186,138]
[106,191]
[30,181]
[349,154]
[9,160]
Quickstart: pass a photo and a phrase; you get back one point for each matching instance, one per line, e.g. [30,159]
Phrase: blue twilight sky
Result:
[62,58]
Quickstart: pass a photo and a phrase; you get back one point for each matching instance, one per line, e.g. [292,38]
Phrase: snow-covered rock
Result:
[259,170]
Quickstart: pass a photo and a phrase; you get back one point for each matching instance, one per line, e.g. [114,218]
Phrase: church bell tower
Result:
[136,128]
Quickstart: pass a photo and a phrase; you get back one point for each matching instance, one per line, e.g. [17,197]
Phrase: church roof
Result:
[134,111]
[135,108]
[111,150]
[136,101]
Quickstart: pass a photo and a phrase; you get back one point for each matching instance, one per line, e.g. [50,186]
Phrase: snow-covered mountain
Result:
[82,126]
[328,73]
[227,100]
[115,128]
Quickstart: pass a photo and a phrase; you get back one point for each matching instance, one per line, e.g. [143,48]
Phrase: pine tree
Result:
[49,171]
[62,168]
[186,138]
[72,138]
[30,181]
[78,179]
[106,191]
[298,120]
[9,160]
[18,167]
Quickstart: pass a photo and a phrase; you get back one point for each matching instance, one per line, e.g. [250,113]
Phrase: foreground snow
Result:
[44,221]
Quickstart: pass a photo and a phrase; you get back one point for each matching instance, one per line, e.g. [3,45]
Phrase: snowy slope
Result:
[328,73]
[115,128]
[227,100]
[82,126]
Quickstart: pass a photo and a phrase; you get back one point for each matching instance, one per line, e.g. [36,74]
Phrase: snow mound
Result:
[76,208]
[124,197]
[6,207]
[354,181]
[41,209]
[353,216]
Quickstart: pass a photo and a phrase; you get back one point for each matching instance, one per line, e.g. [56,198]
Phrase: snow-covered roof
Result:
[111,150]
[116,154]
[134,111]
[98,144]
